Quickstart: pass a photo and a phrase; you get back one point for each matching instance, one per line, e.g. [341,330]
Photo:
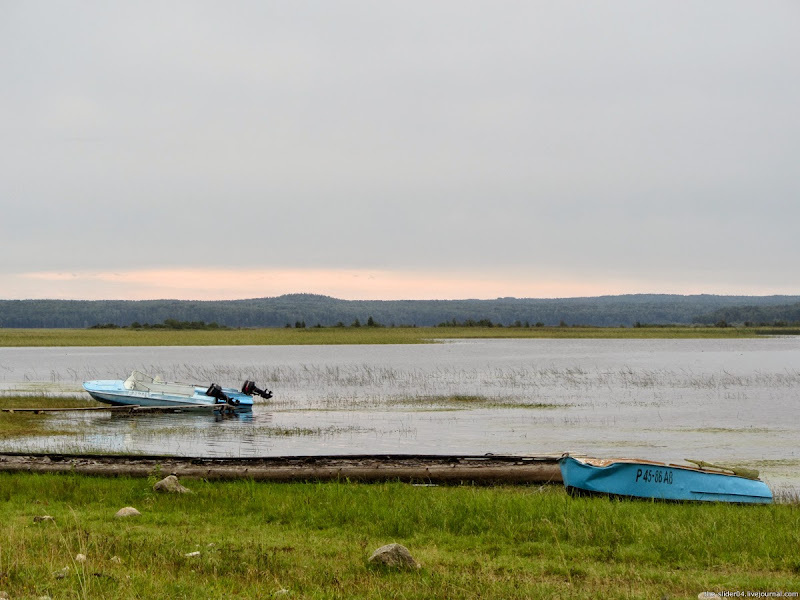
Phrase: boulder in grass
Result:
[170,485]
[395,556]
[128,511]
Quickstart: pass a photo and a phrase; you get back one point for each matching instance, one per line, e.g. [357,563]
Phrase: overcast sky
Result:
[450,149]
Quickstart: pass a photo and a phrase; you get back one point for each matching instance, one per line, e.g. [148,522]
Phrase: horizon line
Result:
[464,299]
[356,284]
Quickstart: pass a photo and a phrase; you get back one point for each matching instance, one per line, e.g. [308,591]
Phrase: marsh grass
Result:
[522,378]
[338,335]
[46,401]
[329,430]
[27,424]
[456,401]
[157,432]
[734,430]
[314,540]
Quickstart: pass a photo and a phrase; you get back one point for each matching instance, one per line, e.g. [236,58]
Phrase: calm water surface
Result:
[732,401]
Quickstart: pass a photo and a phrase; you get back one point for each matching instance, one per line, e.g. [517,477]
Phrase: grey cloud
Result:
[633,136]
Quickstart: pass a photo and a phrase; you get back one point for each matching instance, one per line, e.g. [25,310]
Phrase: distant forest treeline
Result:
[311,309]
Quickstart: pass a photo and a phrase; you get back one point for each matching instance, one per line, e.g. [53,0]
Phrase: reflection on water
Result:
[717,400]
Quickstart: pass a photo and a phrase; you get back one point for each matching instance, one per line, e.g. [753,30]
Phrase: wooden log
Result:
[357,469]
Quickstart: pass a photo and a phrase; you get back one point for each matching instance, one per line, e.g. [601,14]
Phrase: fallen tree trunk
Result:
[483,470]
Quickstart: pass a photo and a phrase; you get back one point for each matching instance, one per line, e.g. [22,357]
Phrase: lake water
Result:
[730,401]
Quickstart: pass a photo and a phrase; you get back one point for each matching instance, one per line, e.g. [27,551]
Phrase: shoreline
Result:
[364,468]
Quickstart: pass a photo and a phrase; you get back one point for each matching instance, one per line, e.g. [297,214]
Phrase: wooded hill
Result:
[311,310]
[754,315]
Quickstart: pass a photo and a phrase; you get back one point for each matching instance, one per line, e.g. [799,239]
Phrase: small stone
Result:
[4,595]
[62,573]
[43,519]
[116,559]
[280,593]
[395,556]
[192,554]
[128,511]
[170,485]
[80,558]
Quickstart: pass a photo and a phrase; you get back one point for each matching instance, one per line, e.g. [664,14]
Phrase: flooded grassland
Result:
[730,401]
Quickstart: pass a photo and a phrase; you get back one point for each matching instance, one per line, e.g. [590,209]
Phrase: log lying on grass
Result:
[433,469]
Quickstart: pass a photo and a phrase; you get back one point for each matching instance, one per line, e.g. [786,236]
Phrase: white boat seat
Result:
[144,383]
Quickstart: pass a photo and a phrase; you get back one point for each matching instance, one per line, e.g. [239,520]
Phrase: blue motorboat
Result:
[143,390]
[634,478]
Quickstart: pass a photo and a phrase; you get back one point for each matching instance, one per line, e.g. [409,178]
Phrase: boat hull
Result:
[115,393]
[645,479]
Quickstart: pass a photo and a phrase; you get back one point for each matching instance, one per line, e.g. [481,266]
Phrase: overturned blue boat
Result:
[633,478]
[142,390]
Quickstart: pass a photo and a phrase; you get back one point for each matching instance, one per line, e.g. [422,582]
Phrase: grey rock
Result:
[128,511]
[170,485]
[4,595]
[395,556]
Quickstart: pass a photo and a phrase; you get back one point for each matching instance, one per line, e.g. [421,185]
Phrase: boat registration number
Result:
[654,476]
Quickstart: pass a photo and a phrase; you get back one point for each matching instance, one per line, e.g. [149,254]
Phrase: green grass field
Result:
[337,335]
[314,540]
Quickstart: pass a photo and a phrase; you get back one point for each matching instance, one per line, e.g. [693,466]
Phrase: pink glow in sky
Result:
[352,284]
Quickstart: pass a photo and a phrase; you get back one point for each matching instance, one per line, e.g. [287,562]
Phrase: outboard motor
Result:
[251,389]
[215,391]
